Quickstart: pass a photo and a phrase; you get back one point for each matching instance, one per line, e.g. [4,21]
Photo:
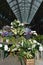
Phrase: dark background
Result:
[37,22]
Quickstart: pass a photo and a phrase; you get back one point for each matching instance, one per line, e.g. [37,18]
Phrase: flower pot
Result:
[29,61]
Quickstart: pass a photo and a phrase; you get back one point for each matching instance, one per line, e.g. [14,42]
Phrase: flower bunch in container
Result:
[28,48]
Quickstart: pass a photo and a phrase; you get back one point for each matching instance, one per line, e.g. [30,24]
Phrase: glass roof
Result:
[24,9]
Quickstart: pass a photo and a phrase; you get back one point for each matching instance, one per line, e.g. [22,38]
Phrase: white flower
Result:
[7,40]
[38,43]
[29,48]
[14,49]
[18,21]
[19,49]
[33,46]
[22,43]
[30,40]
[11,26]
[24,52]
[11,23]
[0,45]
[0,32]
[34,41]
[6,47]
[40,48]
[15,31]
[34,32]
[21,24]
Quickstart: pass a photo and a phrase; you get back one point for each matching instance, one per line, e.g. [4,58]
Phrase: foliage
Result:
[28,48]
[39,38]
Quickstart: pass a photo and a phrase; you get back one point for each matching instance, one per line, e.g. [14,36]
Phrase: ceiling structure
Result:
[24,10]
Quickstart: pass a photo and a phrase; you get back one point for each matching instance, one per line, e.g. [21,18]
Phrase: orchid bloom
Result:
[34,32]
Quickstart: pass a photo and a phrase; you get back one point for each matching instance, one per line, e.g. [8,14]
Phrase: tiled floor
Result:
[14,61]
[39,62]
[10,61]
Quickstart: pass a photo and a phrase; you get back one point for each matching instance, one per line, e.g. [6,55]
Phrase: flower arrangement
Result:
[22,47]
[17,28]
[28,48]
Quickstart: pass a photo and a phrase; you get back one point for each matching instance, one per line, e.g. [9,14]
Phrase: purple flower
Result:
[5,34]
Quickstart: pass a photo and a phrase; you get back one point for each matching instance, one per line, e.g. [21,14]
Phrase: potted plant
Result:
[27,50]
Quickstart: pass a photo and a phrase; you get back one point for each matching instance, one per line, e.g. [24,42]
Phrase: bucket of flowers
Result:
[27,50]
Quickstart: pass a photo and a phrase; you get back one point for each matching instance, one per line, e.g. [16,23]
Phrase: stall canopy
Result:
[24,10]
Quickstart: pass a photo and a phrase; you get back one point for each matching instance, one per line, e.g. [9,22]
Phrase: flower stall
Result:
[13,40]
